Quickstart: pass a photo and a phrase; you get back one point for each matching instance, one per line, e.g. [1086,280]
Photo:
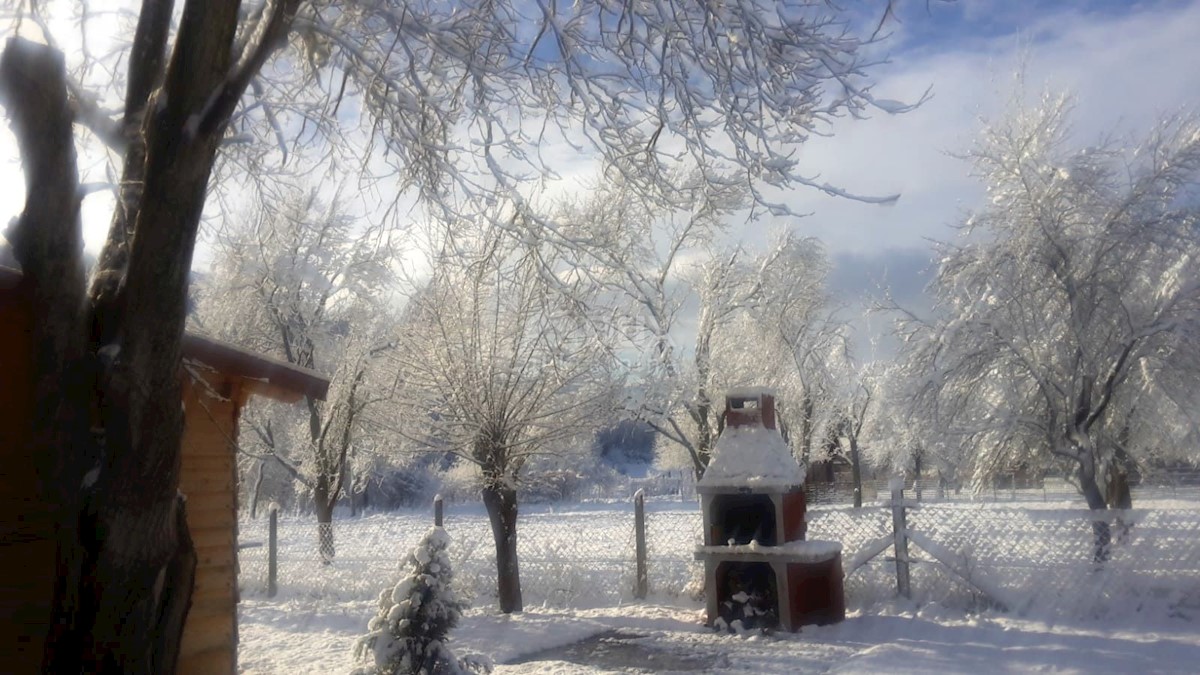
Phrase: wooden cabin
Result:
[218,379]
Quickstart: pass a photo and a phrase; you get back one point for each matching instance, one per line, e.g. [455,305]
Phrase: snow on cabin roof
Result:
[752,457]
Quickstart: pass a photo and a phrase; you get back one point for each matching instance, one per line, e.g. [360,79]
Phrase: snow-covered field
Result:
[1139,614]
[297,637]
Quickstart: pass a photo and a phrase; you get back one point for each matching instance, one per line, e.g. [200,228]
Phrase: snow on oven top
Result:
[752,456]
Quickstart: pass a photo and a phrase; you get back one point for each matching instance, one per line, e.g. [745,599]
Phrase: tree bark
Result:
[107,395]
[139,545]
[125,560]
[1101,531]
[856,471]
[47,242]
[323,505]
[258,481]
[501,503]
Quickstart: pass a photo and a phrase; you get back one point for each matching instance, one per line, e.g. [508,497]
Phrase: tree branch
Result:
[268,35]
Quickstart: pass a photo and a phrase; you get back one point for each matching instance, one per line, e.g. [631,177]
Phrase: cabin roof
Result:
[269,376]
[266,375]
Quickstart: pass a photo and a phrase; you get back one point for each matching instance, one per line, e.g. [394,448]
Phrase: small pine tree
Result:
[408,634]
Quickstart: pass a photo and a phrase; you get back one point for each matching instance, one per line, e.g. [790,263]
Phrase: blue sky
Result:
[1126,64]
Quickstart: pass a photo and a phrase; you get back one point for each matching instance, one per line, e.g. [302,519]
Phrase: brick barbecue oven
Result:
[759,569]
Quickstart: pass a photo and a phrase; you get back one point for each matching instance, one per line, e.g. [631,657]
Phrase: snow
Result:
[754,457]
[797,551]
[896,638]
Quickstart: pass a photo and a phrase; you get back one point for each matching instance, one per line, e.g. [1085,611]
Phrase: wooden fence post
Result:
[900,533]
[639,525]
[272,553]
[437,511]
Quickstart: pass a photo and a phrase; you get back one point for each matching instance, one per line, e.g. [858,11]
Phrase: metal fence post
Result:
[437,511]
[900,534]
[639,526]
[272,553]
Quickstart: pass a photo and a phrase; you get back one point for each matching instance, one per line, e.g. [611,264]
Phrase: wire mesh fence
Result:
[1023,557]
[566,558]
[1044,561]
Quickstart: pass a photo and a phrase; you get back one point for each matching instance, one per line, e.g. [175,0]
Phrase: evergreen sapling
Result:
[408,634]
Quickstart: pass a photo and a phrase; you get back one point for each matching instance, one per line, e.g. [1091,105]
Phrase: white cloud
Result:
[1125,71]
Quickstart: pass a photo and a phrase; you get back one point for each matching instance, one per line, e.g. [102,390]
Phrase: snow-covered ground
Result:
[1140,615]
[296,637]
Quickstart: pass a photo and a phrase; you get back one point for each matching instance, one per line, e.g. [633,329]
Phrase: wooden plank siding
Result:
[27,548]
[209,481]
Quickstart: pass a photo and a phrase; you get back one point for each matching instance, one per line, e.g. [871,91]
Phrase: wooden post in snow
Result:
[642,584]
[438,511]
[273,553]
[900,532]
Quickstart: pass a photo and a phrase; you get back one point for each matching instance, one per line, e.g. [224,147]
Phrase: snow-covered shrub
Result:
[408,634]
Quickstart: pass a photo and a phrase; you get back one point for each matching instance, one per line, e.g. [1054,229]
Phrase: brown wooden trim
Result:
[281,378]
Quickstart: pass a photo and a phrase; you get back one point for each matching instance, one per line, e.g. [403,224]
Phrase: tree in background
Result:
[308,284]
[807,346]
[655,260]
[1068,317]
[500,365]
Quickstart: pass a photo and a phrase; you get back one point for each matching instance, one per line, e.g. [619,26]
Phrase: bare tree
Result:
[306,282]
[798,316]
[499,367]
[1068,316]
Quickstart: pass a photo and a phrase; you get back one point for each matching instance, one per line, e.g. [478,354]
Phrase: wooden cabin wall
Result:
[209,480]
[27,547]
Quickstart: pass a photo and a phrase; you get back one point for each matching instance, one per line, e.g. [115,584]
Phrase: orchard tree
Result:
[1068,317]
[500,365]
[308,283]
[449,101]
[797,318]
[658,259]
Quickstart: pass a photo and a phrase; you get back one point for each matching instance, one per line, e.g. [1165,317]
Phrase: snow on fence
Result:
[1027,558]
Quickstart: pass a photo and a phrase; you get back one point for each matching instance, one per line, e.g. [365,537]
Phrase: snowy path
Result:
[295,637]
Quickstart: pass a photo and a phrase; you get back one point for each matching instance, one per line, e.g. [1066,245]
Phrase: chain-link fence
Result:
[1023,558]
[567,558]
[1043,561]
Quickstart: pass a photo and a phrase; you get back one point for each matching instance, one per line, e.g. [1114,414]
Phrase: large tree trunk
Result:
[137,568]
[501,503]
[856,471]
[323,505]
[1101,531]
[47,242]
[125,562]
